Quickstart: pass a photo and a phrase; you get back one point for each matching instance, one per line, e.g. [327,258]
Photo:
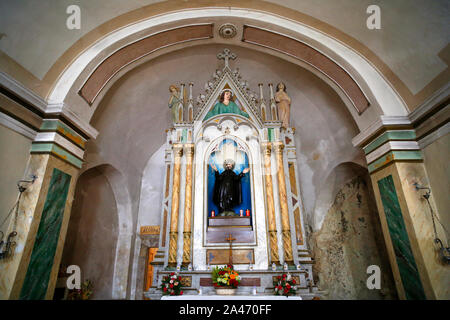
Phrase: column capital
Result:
[267,148]
[189,149]
[177,149]
[278,146]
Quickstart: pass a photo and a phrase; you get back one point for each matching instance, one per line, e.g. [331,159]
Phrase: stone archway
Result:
[99,233]
[356,81]
[347,238]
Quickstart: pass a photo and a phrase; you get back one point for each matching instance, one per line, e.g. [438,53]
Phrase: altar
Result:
[231,180]
[235,297]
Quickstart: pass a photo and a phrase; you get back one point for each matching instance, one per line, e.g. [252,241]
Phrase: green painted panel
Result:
[55,149]
[184,136]
[400,241]
[49,125]
[390,136]
[271,134]
[66,131]
[43,254]
[394,155]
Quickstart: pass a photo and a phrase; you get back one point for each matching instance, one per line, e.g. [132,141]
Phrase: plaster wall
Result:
[92,233]
[14,155]
[350,240]
[436,160]
[402,23]
[152,190]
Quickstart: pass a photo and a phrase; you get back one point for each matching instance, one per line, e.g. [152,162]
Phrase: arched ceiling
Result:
[36,46]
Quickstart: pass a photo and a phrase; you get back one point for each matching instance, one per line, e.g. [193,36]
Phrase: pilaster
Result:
[44,212]
[395,164]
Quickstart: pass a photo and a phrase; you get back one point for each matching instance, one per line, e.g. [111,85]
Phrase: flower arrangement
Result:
[171,285]
[83,293]
[225,276]
[285,285]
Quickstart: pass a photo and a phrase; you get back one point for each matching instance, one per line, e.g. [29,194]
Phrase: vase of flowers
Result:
[171,285]
[285,285]
[225,280]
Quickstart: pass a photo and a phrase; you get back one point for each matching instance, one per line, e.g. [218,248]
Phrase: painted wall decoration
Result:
[400,241]
[41,262]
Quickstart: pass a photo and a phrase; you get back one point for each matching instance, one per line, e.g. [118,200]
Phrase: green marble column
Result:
[407,266]
[44,249]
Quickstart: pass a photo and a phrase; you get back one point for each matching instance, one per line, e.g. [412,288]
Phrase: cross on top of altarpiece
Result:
[226,55]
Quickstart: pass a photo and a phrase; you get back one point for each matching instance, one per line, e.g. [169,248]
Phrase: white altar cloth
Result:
[231,297]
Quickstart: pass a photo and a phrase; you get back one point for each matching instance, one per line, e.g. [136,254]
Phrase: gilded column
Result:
[189,152]
[285,226]
[173,234]
[274,258]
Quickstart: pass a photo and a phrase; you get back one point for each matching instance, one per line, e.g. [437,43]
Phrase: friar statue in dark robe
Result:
[227,192]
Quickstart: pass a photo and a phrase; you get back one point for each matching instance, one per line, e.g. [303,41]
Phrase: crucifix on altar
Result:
[230,239]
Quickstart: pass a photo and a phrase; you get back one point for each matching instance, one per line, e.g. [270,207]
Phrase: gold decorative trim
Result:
[186,281]
[148,230]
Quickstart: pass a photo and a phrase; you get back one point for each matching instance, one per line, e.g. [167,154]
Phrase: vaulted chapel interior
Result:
[142,139]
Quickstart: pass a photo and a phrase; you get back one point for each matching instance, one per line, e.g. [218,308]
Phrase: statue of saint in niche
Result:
[227,192]
[284,104]
[225,105]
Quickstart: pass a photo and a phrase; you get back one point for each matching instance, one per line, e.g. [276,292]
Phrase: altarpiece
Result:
[266,219]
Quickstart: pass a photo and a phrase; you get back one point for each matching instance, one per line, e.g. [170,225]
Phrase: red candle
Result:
[247,213]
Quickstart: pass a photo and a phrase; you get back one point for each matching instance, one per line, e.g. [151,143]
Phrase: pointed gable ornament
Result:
[226,79]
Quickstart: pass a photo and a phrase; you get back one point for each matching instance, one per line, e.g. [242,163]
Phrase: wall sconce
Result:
[7,249]
[444,252]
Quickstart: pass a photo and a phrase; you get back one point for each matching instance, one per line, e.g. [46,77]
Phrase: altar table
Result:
[231,297]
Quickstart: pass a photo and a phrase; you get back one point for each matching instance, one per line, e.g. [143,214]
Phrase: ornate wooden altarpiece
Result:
[268,227]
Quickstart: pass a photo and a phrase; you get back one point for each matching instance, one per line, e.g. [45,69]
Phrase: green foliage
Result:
[215,274]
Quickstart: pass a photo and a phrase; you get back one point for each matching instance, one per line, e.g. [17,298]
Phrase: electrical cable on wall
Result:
[444,252]
[6,249]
